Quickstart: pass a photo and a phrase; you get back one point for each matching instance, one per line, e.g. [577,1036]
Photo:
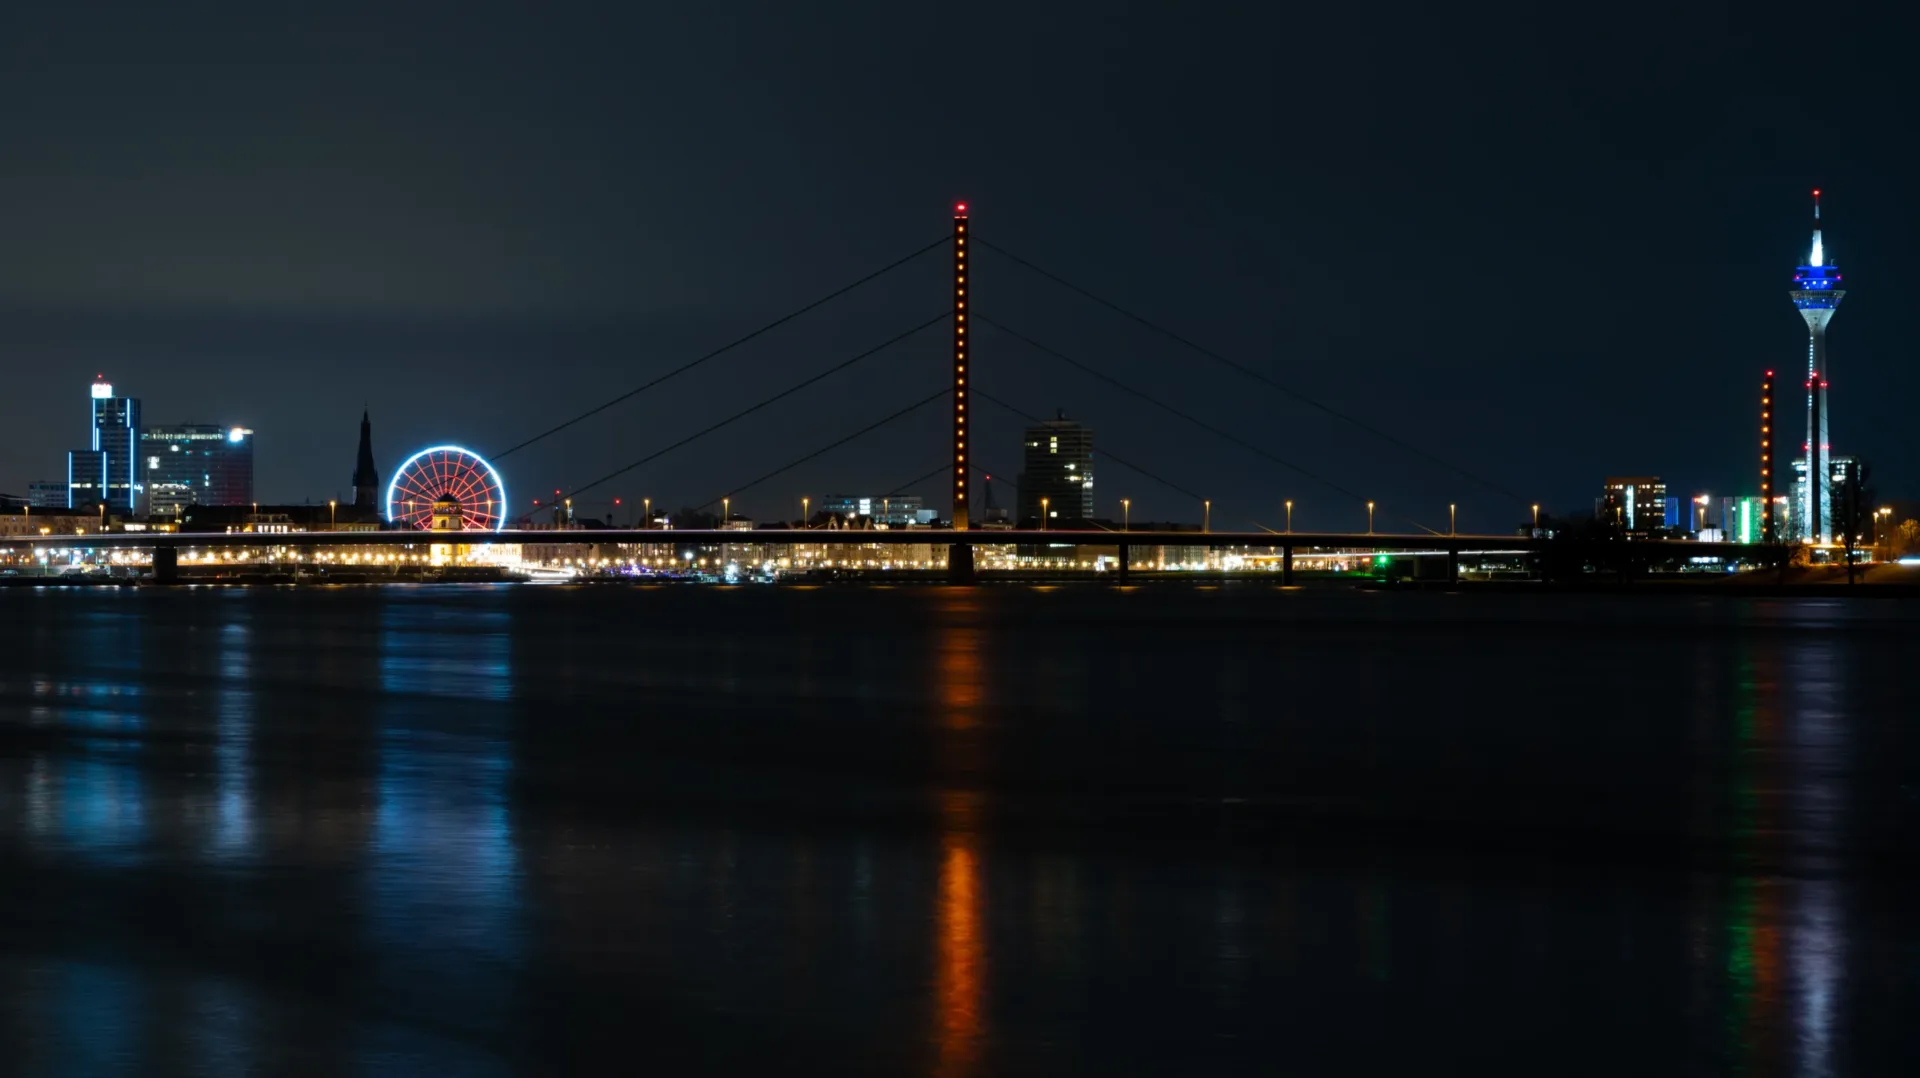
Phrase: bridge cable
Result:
[742,414]
[943,391]
[1251,373]
[725,348]
[1031,418]
[1158,403]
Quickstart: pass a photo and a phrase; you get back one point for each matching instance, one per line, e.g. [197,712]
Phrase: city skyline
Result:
[1815,294]
[1475,247]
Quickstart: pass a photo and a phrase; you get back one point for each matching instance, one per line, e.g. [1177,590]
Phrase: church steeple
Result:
[366,478]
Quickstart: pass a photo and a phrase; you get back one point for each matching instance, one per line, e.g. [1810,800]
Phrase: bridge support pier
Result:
[166,565]
[1286,566]
[1453,565]
[960,564]
[1122,564]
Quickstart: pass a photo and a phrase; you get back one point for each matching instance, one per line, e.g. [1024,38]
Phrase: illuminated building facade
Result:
[1842,469]
[1816,294]
[106,471]
[1637,505]
[1744,518]
[1058,456]
[901,511]
[196,464]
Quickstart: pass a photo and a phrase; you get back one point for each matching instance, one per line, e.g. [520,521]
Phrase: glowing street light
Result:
[1701,502]
[1451,529]
[1289,516]
[331,521]
[1206,515]
[804,515]
[1126,514]
[726,511]
[1369,518]
[1043,514]
[646,512]
[1536,516]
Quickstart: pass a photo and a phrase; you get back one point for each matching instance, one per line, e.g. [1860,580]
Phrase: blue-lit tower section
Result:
[1817,294]
[106,471]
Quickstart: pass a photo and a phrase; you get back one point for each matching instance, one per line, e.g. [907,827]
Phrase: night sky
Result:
[1548,249]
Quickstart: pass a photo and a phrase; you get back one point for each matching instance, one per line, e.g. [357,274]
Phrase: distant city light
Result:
[102,391]
[238,434]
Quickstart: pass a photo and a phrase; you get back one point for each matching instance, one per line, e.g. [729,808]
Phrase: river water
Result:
[1172,830]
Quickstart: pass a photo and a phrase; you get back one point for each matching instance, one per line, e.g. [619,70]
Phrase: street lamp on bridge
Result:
[1289,516]
[804,515]
[1043,514]
[1451,529]
[1126,514]
[1369,518]
[1536,516]
[1206,515]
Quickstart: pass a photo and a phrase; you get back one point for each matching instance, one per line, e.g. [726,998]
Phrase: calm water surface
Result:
[508,830]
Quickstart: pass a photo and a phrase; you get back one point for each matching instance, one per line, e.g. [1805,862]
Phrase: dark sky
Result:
[1545,247]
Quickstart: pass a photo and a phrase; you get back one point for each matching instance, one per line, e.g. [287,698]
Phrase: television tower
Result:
[1817,294]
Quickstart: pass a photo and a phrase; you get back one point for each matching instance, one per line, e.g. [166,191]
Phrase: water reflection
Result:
[960,944]
[1787,745]
[441,859]
[469,831]
[233,738]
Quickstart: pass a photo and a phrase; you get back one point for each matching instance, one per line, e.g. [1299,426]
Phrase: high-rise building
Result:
[1744,518]
[1842,469]
[1059,468]
[108,470]
[1636,505]
[1817,294]
[196,464]
[366,478]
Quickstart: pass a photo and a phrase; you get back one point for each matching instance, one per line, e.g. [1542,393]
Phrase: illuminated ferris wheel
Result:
[441,480]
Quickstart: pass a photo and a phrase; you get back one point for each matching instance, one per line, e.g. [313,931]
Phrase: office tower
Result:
[1841,471]
[1817,294]
[106,471]
[1747,520]
[86,479]
[196,464]
[1636,505]
[366,478]
[1059,468]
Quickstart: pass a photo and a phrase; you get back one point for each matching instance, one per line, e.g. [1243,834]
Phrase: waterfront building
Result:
[1744,519]
[47,494]
[900,511]
[1816,294]
[107,470]
[1637,505]
[1842,470]
[1058,461]
[196,464]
